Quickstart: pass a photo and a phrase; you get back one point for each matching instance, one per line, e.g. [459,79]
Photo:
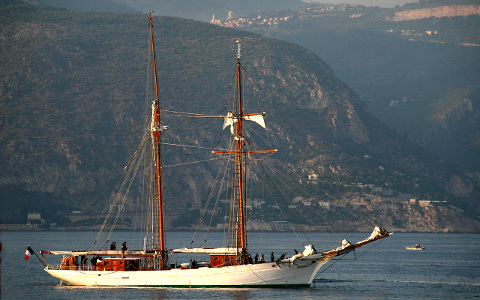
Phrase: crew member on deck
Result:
[124,248]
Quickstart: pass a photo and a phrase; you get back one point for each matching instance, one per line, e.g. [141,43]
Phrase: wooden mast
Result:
[241,235]
[240,152]
[156,132]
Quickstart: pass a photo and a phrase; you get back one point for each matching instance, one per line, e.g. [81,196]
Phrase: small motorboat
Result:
[416,247]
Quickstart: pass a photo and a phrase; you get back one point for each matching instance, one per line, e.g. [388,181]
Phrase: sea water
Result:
[448,268]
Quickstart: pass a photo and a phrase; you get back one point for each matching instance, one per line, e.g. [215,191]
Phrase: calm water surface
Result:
[449,267]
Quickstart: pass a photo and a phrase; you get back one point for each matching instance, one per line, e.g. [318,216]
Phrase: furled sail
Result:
[206,250]
[230,119]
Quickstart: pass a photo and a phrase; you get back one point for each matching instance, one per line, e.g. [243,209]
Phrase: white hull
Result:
[257,275]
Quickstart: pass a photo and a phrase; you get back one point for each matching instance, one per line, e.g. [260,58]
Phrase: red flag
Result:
[28,253]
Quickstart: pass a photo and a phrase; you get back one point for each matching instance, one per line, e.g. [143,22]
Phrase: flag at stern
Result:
[28,253]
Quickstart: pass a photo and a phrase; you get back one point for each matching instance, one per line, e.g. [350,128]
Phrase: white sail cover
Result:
[345,244]
[377,231]
[206,250]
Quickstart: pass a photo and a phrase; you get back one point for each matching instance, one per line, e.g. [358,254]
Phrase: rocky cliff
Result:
[436,12]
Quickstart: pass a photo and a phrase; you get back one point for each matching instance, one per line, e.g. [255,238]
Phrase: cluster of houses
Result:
[304,12]
[313,12]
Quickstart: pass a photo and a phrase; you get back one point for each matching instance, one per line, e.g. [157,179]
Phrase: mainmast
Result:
[156,129]
[236,121]
[241,235]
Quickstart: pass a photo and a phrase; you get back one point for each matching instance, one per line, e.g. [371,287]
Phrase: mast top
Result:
[239,45]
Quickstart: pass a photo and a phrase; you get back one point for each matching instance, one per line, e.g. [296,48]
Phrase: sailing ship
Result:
[229,266]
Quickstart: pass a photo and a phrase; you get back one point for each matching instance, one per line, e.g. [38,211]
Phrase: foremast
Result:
[156,129]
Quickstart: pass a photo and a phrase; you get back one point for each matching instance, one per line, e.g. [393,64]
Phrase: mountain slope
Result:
[73,90]
[413,65]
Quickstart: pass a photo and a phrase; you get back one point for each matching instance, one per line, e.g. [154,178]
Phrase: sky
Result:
[381,3]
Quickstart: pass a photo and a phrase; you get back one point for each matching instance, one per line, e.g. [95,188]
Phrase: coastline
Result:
[26,227]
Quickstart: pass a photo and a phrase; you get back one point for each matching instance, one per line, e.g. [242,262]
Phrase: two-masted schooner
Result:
[228,266]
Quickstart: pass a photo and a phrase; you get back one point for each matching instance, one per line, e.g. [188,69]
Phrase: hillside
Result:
[73,90]
[415,66]
[196,10]
[87,5]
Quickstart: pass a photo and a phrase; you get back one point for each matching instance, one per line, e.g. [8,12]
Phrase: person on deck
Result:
[94,262]
[113,246]
[272,257]
[124,248]
[256,258]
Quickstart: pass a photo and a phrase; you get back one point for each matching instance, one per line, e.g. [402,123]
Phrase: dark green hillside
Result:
[73,92]
[88,5]
[196,10]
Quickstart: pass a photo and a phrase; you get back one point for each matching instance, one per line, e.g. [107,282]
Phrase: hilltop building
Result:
[215,21]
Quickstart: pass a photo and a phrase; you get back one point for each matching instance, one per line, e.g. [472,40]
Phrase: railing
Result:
[76,268]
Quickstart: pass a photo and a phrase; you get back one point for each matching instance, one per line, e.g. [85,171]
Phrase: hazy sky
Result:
[381,3]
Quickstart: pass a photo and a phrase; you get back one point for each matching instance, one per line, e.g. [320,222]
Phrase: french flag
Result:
[28,253]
